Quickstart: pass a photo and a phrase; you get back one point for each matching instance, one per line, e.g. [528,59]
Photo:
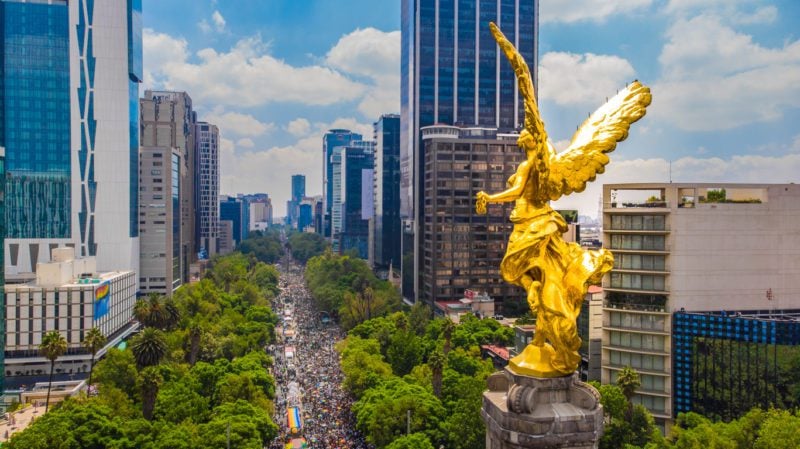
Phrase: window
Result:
[155,172]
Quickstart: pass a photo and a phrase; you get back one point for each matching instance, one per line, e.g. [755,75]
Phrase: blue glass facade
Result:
[304,218]
[233,209]
[387,191]
[135,75]
[725,363]
[355,228]
[175,196]
[332,139]
[35,119]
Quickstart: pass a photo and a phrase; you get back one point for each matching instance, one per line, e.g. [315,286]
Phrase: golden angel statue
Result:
[556,274]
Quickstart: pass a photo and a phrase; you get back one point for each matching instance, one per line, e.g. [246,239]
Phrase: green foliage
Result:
[413,441]
[264,247]
[223,323]
[305,245]
[362,364]
[382,412]
[346,286]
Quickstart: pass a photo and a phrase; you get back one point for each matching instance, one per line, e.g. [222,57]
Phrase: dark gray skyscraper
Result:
[385,229]
[453,73]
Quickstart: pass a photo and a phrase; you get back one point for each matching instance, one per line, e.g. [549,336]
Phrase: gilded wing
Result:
[533,121]
[586,156]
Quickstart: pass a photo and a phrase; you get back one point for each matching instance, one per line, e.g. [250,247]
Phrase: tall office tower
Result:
[2,260]
[168,122]
[318,215]
[453,73]
[683,249]
[260,214]
[232,209]
[352,208]
[461,249]
[305,215]
[298,187]
[160,257]
[385,230]
[207,187]
[332,139]
[70,78]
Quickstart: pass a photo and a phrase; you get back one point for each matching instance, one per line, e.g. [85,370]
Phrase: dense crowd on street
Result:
[307,372]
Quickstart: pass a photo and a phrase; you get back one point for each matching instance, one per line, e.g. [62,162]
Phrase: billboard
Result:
[102,297]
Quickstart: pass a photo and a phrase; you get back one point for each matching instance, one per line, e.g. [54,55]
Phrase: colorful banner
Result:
[102,297]
[293,418]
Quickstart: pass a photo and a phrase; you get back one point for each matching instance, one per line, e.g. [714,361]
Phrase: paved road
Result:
[19,421]
[307,369]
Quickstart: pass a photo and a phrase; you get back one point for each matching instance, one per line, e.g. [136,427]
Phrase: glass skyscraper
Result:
[384,241]
[69,77]
[452,72]
[331,140]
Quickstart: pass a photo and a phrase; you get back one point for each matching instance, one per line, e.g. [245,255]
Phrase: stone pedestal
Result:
[529,412]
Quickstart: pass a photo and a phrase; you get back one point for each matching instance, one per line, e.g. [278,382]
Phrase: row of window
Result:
[637,341]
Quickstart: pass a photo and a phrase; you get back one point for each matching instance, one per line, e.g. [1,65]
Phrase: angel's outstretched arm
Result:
[510,194]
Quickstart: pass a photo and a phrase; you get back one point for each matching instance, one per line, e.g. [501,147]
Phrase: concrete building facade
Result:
[161,257]
[167,122]
[690,248]
[69,296]
[459,249]
[207,187]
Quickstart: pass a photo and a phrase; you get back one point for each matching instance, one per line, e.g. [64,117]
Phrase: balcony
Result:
[618,205]
[634,307]
[639,330]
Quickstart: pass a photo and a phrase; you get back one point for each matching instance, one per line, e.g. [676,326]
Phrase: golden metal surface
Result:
[555,273]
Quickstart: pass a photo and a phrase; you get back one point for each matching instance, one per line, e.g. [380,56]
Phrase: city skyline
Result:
[738,130]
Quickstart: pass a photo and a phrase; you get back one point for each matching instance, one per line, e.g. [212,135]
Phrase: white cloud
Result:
[570,11]
[716,78]
[375,55]
[247,75]
[237,124]
[270,170]
[738,169]
[219,21]
[585,80]
[245,143]
[298,127]
[204,26]
[161,51]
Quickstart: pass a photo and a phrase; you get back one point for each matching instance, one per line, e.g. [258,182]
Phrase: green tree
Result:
[437,360]
[180,400]
[117,369]
[381,413]
[150,380]
[52,347]
[413,441]
[148,347]
[94,340]
[628,381]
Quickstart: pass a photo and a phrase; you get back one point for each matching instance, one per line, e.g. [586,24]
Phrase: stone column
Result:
[542,413]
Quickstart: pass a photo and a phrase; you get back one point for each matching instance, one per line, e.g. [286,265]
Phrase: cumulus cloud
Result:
[161,51]
[570,11]
[247,75]
[270,170]
[737,169]
[586,80]
[238,124]
[245,143]
[298,127]
[715,78]
[375,56]
[219,21]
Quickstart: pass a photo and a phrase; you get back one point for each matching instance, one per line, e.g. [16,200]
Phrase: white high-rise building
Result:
[73,176]
[207,186]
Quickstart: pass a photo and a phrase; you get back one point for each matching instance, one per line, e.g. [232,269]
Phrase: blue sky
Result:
[275,74]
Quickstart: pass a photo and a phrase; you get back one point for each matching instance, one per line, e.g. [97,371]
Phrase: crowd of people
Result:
[307,372]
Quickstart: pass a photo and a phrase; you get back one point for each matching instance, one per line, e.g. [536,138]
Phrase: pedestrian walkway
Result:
[19,420]
[307,371]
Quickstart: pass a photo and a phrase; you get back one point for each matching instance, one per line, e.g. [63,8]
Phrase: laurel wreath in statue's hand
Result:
[481,202]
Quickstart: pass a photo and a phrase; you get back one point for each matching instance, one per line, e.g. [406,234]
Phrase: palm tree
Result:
[52,347]
[628,381]
[436,361]
[149,347]
[449,327]
[156,311]
[150,380]
[94,340]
